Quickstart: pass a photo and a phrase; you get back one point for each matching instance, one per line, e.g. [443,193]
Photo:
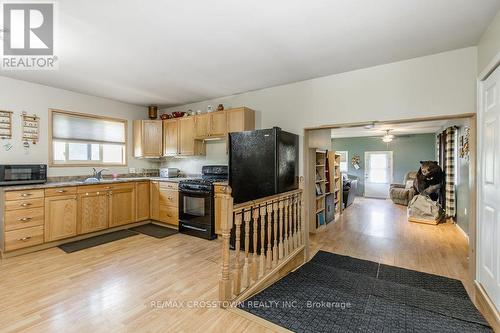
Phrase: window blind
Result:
[67,126]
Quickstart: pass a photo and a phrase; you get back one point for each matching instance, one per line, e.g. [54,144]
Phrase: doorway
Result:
[352,218]
[378,174]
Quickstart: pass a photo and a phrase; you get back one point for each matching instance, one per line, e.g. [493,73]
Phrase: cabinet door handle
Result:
[26,204]
[25,219]
[108,188]
[26,194]
[25,239]
[61,191]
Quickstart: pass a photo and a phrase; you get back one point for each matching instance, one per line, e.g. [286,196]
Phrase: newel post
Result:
[224,216]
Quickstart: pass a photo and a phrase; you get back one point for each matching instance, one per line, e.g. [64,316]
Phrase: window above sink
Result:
[86,140]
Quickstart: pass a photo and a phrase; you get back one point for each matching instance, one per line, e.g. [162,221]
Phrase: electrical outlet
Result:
[131,170]
[465,211]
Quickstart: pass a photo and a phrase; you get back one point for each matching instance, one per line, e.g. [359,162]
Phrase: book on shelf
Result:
[320,217]
[318,189]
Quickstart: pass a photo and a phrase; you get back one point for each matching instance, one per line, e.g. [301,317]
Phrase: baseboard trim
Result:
[463,232]
[487,307]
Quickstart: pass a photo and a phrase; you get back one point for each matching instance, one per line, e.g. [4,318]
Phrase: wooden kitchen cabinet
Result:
[60,217]
[148,137]
[188,146]
[122,205]
[165,202]
[240,119]
[142,201]
[154,191]
[170,137]
[201,125]
[218,124]
[93,211]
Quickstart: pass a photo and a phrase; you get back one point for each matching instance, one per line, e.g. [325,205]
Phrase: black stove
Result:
[196,202]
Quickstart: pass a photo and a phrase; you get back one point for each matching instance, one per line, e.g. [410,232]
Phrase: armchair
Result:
[402,194]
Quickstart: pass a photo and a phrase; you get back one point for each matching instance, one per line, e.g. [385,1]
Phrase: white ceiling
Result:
[172,52]
[396,129]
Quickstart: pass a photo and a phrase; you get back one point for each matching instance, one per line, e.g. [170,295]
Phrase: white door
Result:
[488,253]
[378,174]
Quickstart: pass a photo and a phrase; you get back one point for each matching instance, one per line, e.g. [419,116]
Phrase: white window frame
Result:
[340,152]
[100,162]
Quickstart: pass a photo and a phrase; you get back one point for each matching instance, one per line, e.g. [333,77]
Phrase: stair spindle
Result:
[285,240]
[269,253]
[280,245]
[255,261]
[237,280]
[262,257]
[246,266]
[276,236]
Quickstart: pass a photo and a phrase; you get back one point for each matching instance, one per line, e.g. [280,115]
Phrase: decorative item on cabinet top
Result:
[152,112]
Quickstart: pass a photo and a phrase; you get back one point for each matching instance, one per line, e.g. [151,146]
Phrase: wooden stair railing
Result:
[268,233]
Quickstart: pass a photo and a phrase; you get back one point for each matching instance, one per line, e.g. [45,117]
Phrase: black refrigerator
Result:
[262,163]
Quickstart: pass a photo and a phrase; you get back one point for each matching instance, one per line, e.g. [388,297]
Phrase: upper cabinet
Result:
[186,135]
[170,137]
[218,123]
[147,138]
[240,119]
[201,125]
[179,137]
[210,125]
[187,143]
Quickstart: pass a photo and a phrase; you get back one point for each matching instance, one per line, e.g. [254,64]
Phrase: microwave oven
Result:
[18,174]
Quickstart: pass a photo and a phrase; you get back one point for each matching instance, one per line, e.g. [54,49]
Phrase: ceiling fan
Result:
[387,137]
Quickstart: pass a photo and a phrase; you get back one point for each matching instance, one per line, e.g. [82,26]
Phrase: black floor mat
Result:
[333,293]
[96,240]
[350,264]
[431,282]
[154,230]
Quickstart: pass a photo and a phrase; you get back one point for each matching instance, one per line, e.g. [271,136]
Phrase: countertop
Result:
[81,183]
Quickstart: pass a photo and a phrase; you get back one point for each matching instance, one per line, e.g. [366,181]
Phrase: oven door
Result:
[196,216]
[22,174]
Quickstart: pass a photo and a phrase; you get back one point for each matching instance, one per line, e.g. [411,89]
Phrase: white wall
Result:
[440,84]
[489,45]
[18,96]
[216,154]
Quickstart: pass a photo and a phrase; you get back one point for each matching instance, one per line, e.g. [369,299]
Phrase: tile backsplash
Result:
[216,153]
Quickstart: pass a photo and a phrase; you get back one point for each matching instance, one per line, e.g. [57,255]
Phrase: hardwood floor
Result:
[110,288]
[378,230]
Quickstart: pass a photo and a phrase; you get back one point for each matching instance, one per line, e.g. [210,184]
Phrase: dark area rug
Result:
[335,293]
[154,230]
[96,240]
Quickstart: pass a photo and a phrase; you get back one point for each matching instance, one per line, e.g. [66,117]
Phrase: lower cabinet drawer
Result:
[24,218]
[169,214]
[23,204]
[21,238]
[169,197]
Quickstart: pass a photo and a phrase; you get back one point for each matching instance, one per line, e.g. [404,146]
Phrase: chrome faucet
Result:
[98,174]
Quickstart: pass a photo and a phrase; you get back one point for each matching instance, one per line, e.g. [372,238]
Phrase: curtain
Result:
[449,168]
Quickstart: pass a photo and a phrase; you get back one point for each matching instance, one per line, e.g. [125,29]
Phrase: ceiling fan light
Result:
[387,137]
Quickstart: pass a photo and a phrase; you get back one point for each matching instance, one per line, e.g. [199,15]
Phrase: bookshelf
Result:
[335,178]
[320,188]
[325,190]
